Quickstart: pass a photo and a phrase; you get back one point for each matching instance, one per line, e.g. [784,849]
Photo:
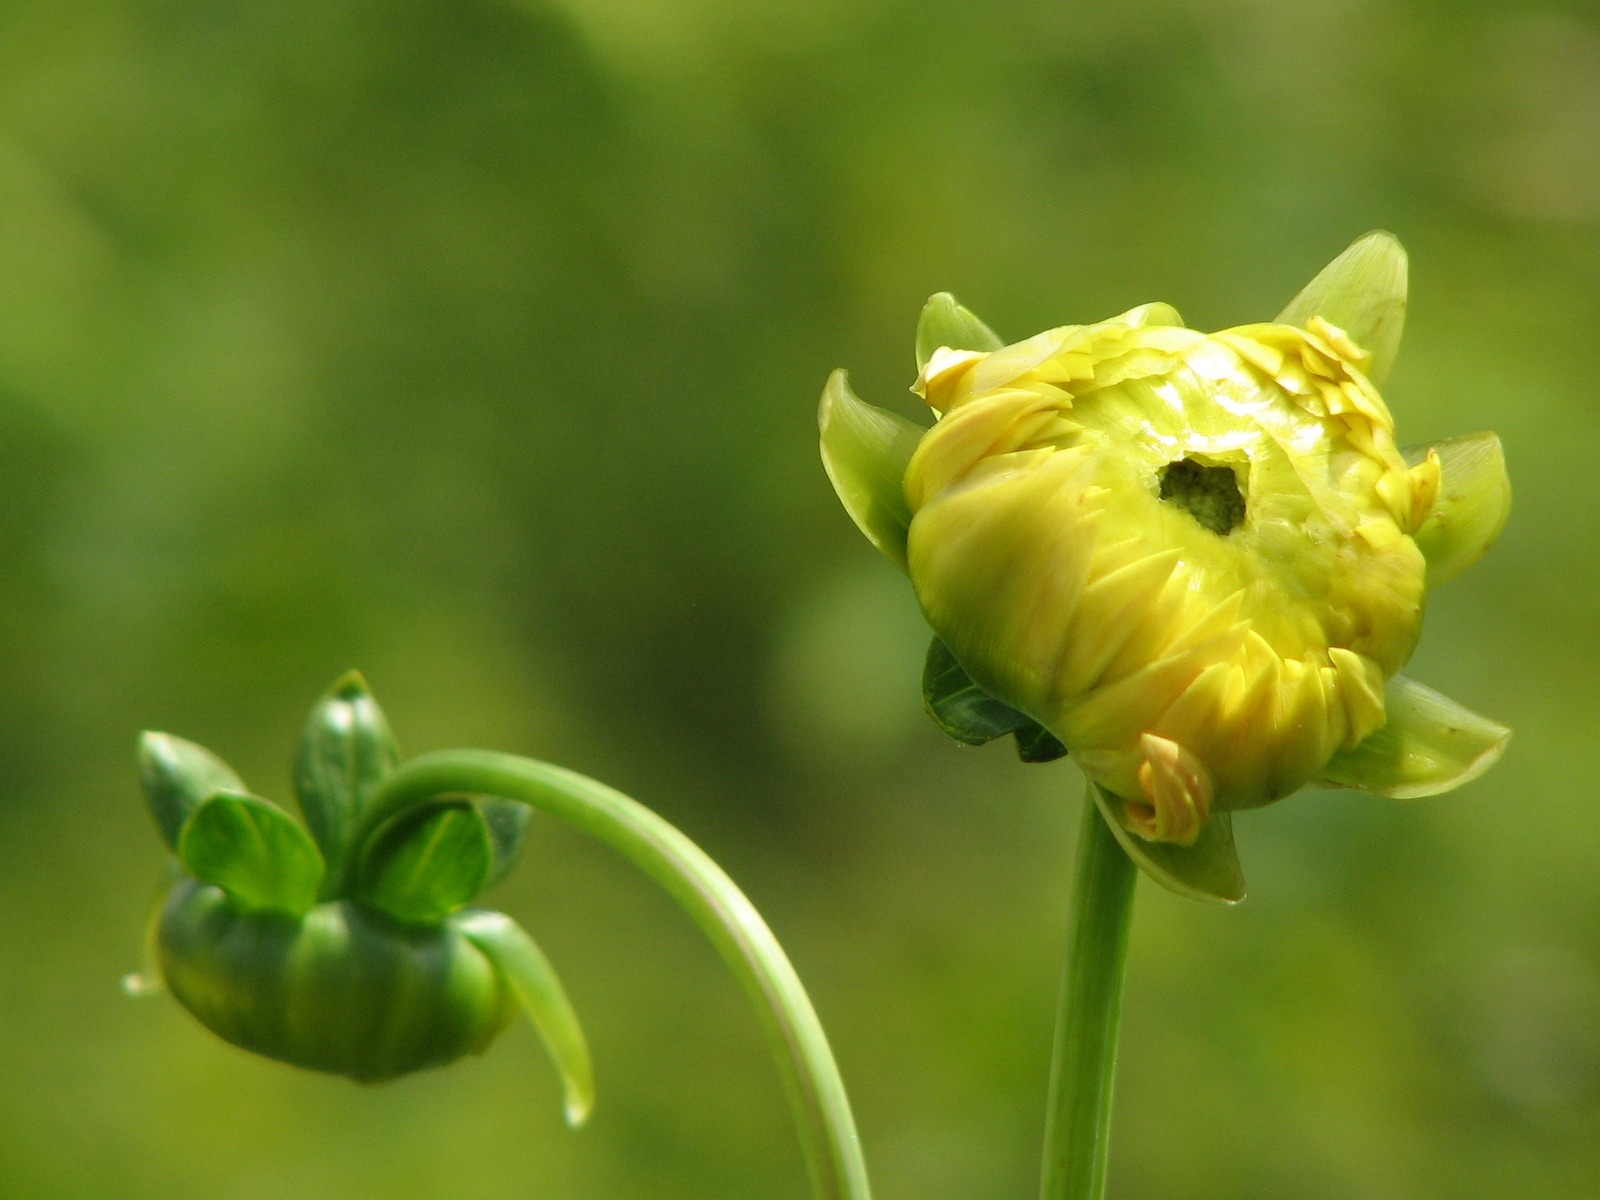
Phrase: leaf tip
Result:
[837,387]
[946,322]
[351,685]
[577,1107]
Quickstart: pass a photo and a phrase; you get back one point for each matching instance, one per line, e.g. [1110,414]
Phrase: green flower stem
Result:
[1078,1120]
[821,1108]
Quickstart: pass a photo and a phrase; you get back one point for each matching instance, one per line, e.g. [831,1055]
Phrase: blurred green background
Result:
[477,344]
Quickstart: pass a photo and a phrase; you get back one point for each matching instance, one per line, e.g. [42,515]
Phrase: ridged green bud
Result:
[344,948]
[342,988]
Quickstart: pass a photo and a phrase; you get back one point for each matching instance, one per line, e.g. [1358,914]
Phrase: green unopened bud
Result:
[346,949]
[1198,560]
[341,988]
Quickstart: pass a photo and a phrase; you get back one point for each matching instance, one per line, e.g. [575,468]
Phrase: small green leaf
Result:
[252,850]
[959,707]
[538,989]
[1207,870]
[177,776]
[1363,292]
[1036,744]
[428,861]
[1429,744]
[1474,501]
[345,752]
[944,322]
[508,823]
[865,451]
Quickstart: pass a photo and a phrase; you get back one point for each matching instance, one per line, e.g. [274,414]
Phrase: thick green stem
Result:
[1078,1119]
[704,891]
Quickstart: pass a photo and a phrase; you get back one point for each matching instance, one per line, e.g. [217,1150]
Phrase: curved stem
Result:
[704,891]
[1078,1118]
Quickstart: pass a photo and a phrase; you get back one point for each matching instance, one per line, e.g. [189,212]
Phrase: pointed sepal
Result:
[252,850]
[959,707]
[533,981]
[865,451]
[177,775]
[945,322]
[1429,744]
[966,713]
[1036,744]
[346,750]
[1207,870]
[1363,292]
[428,861]
[508,822]
[1474,501]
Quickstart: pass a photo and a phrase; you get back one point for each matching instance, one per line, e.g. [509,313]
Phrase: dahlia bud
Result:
[351,955]
[1197,560]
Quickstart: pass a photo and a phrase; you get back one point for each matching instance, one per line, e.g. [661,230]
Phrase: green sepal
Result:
[1474,501]
[1036,744]
[428,861]
[1363,292]
[177,775]
[538,989]
[865,451]
[944,322]
[252,850]
[508,822]
[345,752]
[958,706]
[1207,870]
[969,715]
[1429,744]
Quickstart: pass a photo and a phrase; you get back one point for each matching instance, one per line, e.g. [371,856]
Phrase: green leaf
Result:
[865,451]
[252,850]
[1429,744]
[428,861]
[959,706]
[1208,870]
[944,322]
[345,752]
[508,823]
[177,776]
[538,989]
[1363,292]
[1474,501]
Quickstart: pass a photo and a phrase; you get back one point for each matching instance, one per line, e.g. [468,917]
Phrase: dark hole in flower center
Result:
[1208,494]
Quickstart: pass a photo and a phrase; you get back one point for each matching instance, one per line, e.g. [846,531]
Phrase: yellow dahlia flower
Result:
[1198,561]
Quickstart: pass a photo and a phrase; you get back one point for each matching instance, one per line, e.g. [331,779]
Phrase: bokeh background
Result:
[476,343]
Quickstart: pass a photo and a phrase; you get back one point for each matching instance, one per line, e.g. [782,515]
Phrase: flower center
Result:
[1208,494]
